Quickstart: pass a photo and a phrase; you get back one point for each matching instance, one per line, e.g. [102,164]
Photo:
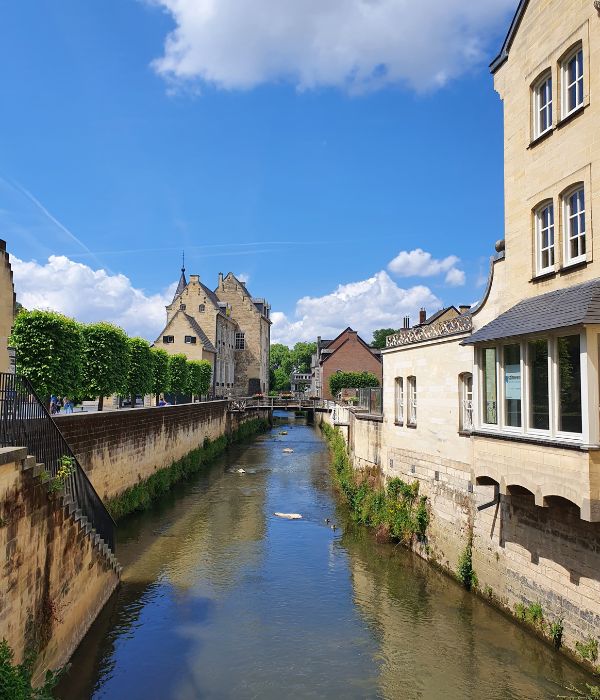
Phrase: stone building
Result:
[346,353]
[252,337]
[495,410]
[7,307]
[201,327]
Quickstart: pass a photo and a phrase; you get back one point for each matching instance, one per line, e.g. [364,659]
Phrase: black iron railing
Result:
[25,422]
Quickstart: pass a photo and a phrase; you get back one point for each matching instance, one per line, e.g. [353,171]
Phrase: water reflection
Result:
[221,599]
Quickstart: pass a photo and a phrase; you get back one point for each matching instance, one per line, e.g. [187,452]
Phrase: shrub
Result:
[351,380]
[15,679]
[588,650]
[556,632]
[465,572]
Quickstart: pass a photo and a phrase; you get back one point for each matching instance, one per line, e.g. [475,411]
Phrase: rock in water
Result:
[287,450]
[289,516]
[240,471]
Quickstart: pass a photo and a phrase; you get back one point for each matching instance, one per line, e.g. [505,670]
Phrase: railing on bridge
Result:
[25,422]
[371,400]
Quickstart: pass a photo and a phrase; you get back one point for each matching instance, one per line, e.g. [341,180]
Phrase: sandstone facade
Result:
[7,306]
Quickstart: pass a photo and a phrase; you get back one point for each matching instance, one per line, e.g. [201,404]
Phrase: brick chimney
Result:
[464,308]
[220,279]
[422,316]
[194,279]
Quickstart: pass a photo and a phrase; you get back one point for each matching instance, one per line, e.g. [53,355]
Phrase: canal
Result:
[221,599]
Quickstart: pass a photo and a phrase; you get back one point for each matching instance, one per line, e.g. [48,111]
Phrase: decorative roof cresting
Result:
[419,334]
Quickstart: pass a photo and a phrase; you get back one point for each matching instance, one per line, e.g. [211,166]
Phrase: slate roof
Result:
[200,333]
[573,306]
[502,57]
[434,317]
[181,285]
[210,294]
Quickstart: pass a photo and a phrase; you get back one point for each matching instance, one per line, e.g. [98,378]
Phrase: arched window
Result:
[542,105]
[544,238]
[465,382]
[574,225]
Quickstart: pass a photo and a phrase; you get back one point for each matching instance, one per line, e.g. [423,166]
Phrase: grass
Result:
[142,494]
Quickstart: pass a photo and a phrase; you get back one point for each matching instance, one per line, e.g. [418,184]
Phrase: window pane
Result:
[512,385]
[569,377]
[490,390]
[538,384]
[572,97]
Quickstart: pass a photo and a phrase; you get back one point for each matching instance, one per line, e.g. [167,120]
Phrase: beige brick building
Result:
[7,307]
[227,327]
[497,408]
[253,337]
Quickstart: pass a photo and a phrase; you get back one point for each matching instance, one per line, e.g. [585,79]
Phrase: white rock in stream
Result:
[240,471]
[289,516]
[287,450]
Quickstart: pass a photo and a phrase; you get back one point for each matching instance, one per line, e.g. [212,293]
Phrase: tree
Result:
[160,370]
[178,374]
[351,380]
[380,335]
[105,360]
[281,380]
[302,356]
[280,356]
[139,376]
[49,352]
[199,376]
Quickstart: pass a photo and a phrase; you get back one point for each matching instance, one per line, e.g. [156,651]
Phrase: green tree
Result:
[281,380]
[280,356]
[301,356]
[105,360]
[178,374]
[139,376]
[199,375]
[351,380]
[16,679]
[49,352]
[380,335]
[160,371]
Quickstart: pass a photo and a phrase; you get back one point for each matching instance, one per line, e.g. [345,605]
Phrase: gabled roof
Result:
[438,314]
[562,308]
[502,57]
[326,353]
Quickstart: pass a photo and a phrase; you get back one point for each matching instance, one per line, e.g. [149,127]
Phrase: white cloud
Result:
[243,277]
[89,295]
[373,303]
[455,277]
[352,44]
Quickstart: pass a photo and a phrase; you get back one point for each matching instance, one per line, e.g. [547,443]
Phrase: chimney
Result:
[194,279]
[422,316]
[464,308]
[406,322]
[220,280]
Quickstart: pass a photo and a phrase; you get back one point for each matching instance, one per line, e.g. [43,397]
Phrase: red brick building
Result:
[346,353]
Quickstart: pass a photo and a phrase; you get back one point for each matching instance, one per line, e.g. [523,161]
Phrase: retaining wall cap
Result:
[12,454]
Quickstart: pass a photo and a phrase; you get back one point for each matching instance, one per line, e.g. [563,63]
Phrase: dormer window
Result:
[572,82]
[542,106]
[168,339]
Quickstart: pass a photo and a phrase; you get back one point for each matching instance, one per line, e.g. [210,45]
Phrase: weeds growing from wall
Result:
[398,510]
[464,571]
[15,679]
[140,496]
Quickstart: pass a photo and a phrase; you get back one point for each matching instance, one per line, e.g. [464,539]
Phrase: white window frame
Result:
[569,216]
[543,105]
[466,402]
[540,229]
[411,418]
[399,400]
[552,433]
[579,83]
[240,340]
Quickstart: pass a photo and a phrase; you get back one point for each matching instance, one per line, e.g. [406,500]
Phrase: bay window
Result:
[533,387]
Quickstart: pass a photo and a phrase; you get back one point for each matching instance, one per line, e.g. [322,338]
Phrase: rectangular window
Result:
[569,384]
[572,83]
[240,341]
[490,388]
[466,419]
[575,227]
[168,339]
[399,397]
[512,385]
[545,238]
[543,106]
[412,401]
[539,407]
[190,339]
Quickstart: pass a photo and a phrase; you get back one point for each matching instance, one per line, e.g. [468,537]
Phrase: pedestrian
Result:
[68,405]
[53,405]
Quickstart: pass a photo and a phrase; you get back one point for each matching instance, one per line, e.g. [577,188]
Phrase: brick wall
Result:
[119,448]
[352,356]
[7,303]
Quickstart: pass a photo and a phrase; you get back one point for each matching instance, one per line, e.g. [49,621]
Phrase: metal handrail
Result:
[26,422]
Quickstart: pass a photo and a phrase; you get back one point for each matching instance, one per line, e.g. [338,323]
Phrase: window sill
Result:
[400,424]
[411,425]
[542,137]
[542,442]
[565,269]
[543,276]
[569,117]
[465,433]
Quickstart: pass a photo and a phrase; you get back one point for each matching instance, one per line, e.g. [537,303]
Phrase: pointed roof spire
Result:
[182,284]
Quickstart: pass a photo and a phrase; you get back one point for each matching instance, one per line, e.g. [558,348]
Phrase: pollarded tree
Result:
[139,376]
[49,352]
[178,374]
[351,380]
[199,376]
[105,360]
[160,371]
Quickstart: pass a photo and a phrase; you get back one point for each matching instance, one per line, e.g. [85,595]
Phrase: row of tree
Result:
[284,361]
[63,357]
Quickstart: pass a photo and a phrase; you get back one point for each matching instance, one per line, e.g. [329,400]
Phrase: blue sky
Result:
[304,148]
